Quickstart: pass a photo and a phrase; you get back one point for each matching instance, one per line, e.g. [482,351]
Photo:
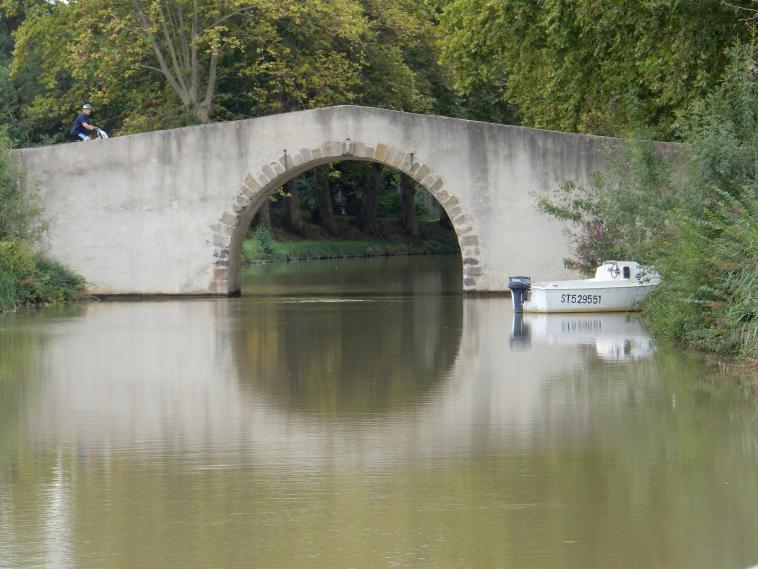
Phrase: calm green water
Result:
[364,414]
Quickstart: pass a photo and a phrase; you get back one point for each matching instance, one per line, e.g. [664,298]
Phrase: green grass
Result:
[253,251]
[264,245]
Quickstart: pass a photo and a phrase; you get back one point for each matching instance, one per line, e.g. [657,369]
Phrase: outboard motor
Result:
[519,286]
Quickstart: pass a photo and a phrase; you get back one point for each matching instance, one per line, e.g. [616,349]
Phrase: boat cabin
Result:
[618,271]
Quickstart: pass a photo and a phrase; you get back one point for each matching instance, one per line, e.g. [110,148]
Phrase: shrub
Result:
[26,277]
[623,213]
[264,238]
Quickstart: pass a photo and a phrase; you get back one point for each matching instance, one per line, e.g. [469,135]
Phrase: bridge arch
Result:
[231,229]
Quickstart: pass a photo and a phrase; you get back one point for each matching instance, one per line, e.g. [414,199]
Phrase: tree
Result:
[370,198]
[295,214]
[148,64]
[408,198]
[324,197]
[598,67]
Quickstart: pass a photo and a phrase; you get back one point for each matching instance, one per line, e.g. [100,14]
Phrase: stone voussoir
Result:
[251,183]
[357,148]
[390,156]
[368,152]
[399,159]
[269,171]
[422,172]
[437,185]
[229,219]
[429,181]
[263,180]
[380,152]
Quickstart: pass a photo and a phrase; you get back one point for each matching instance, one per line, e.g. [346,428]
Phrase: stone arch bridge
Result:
[166,212]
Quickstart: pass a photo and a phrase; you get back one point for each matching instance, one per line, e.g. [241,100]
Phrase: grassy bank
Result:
[279,245]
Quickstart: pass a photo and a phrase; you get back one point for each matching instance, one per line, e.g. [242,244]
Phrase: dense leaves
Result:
[599,67]
[148,64]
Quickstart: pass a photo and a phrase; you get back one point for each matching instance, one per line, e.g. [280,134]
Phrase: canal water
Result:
[365,414]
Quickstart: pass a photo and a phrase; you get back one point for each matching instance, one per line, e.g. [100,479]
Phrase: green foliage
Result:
[152,64]
[19,204]
[599,67]
[26,277]
[698,229]
[624,213]
[264,239]
[338,248]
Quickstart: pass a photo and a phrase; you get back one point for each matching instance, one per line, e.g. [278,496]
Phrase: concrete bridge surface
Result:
[166,212]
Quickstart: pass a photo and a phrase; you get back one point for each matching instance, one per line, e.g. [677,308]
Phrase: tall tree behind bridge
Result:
[597,67]
[408,200]
[150,64]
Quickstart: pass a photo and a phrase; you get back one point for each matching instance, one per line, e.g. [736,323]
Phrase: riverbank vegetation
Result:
[265,245]
[694,218]
[26,275]
[668,69]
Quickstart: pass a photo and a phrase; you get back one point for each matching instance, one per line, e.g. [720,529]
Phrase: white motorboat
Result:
[618,286]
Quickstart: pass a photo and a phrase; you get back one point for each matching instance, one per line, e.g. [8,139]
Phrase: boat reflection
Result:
[615,337]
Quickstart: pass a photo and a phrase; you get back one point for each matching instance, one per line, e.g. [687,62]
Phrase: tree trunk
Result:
[295,213]
[325,206]
[445,220]
[370,200]
[408,197]
[264,215]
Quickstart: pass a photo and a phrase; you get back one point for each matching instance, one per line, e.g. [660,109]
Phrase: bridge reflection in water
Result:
[311,429]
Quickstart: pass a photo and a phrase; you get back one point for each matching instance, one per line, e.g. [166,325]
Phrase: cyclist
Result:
[83,126]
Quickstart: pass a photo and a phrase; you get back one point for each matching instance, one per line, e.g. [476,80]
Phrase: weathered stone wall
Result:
[166,212]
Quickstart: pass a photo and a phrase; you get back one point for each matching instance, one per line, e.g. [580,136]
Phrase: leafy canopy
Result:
[596,67]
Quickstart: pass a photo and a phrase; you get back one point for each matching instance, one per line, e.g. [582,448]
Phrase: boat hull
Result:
[586,299]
